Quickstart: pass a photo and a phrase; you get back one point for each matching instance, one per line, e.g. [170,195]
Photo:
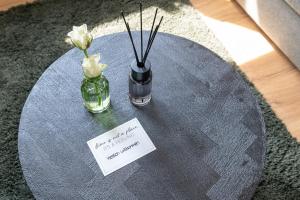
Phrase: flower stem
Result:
[85,53]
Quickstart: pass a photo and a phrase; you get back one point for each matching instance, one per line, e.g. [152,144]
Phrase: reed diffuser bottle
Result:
[140,76]
[140,83]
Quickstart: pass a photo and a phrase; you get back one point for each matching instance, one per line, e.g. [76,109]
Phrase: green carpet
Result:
[32,37]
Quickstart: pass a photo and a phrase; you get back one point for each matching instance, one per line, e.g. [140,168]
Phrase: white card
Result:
[120,146]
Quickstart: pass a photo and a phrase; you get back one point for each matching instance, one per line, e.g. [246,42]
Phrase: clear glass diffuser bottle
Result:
[140,83]
[95,93]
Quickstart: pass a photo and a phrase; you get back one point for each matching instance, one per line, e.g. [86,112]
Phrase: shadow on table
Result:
[107,119]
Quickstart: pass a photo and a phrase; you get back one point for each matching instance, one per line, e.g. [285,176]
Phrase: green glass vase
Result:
[95,93]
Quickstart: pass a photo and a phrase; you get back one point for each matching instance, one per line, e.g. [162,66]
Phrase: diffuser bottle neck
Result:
[141,72]
[140,64]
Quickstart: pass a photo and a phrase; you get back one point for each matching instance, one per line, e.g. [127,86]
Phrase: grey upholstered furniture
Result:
[280,20]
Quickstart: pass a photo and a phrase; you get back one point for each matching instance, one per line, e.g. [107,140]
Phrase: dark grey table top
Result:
[203,120]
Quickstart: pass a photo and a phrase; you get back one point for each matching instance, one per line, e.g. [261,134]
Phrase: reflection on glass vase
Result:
[95,93]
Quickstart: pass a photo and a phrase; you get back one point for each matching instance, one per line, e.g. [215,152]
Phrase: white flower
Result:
[80,37]
[92,66]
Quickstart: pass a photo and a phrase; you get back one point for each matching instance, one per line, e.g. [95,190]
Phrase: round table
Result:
[204,121]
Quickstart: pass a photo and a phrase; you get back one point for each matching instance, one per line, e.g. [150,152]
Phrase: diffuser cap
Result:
[140,73]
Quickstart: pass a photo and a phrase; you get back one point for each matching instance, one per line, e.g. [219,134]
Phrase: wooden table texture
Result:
[203,119]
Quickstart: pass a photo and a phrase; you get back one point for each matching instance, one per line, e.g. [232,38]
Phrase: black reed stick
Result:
[151,29]
[150,44]
[135,52]
[130,36]
[141,21]
[152,39]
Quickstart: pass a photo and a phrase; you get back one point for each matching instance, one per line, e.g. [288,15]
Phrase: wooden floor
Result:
[271,72]
[6,4]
